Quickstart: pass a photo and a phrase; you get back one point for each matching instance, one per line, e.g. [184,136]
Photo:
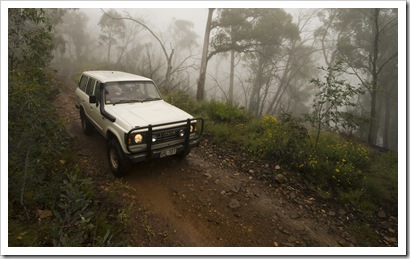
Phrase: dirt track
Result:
[202,201]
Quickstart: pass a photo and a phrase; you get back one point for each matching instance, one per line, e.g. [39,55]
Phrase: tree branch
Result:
[143,25]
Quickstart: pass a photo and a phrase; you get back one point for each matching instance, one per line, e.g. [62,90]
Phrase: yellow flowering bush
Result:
[336,163]
[268,120]
[281,139]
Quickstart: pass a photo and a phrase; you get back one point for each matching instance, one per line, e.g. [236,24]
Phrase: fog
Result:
[159,18]
[265,82]
[264,60]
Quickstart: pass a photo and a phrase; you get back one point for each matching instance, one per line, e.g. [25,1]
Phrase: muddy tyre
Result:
[86,124]
[119,163]
[183,155]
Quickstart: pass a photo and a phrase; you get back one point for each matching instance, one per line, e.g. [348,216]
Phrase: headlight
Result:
[154,138]
[138,138]
[135,138]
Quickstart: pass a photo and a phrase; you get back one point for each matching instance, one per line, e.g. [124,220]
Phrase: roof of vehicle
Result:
[114,76]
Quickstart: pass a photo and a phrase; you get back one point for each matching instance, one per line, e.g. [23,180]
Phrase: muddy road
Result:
[203,201]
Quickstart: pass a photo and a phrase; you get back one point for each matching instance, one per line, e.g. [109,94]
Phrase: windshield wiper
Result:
[138,101]
[151,99]
[127,101]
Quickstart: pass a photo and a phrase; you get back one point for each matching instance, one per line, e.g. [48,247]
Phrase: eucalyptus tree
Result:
[272,29]
[260,34]
[111,30]
[369,46]
[296,66]
[200,94]
[75,38]
[232,27]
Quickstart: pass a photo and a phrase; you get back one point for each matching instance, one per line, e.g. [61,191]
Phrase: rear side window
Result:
[90,87]
[83,83]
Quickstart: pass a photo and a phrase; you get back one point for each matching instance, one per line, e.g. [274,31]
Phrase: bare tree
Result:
[296,63]
[169,54]
[131,32]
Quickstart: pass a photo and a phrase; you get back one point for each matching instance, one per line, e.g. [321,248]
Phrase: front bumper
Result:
[149,149]
[145,156]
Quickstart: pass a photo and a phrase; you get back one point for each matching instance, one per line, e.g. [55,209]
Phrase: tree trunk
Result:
[386,121]
[109,45]
[231,74]
[254,101]
[167,81]
[109,51]
[373,127]
[204,61]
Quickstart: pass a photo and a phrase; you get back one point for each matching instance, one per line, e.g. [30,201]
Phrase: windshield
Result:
[132,91]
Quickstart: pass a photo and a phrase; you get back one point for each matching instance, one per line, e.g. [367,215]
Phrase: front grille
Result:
[167,135]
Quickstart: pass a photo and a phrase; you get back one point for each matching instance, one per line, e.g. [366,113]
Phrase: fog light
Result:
[181,133]
[154,138]
[138,138]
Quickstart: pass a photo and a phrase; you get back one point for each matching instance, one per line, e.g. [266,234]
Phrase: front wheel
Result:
[119,164]
[183,154]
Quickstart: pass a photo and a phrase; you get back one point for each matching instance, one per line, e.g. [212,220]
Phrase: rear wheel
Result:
[119,164]
[85,123]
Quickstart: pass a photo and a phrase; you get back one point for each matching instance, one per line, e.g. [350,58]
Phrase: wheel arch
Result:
[113,135]
[110,135]
[82,110]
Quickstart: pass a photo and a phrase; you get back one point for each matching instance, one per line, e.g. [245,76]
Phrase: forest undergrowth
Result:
[339,168]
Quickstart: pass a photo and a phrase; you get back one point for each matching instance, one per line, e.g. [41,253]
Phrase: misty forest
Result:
[261,59]
[315,90]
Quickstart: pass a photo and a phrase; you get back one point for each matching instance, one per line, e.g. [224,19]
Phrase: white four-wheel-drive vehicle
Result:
[137,123]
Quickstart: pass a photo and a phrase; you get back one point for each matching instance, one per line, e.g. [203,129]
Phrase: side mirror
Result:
[92,99]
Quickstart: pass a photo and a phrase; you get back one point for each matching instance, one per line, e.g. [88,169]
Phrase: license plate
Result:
[168,152]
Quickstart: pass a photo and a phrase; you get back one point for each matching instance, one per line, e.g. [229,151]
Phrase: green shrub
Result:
[73,211]
[220,112]
[44,174]
[336,163]
[220,132]
[280,139]
[364,234]
[381,181]
[226,124]
[184,101]
[37,142]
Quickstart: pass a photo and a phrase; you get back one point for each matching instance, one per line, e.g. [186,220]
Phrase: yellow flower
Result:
[337,170]
[269,119]
[343,160]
